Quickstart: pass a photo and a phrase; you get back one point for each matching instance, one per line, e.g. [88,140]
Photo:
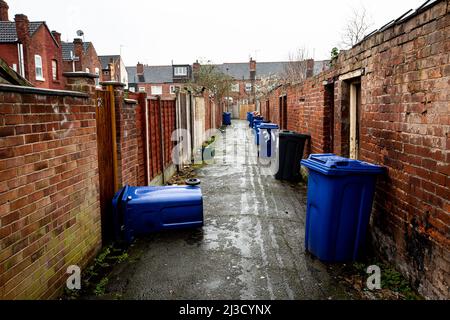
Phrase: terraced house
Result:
[31,49]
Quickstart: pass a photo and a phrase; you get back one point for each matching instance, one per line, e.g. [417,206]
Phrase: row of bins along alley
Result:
[339,198]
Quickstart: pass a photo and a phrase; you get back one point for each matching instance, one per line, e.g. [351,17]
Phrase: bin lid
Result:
[331,164]
[268,126]
[167,196]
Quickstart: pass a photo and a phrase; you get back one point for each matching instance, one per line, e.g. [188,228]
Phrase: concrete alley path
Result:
[251,247]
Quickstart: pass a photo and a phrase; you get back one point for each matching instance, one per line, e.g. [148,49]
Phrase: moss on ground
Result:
[95,276]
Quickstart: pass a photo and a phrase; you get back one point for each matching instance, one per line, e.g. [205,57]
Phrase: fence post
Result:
[111,89]
[161,129]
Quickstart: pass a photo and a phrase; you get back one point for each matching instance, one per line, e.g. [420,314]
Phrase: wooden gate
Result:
[107,159]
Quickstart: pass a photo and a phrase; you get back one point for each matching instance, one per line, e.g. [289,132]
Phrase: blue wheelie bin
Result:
[139,211]
[249,116]
[250,119]
[257,121]
[227,118]
[340,196]
[268,139]
[253,119]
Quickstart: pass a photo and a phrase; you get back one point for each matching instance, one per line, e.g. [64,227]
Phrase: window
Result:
[173,89]
[248,87]
[180,71]
[156,90]
[38,67]
[87,70]
[142,89]
[235,87]
[54,70]
[132,89]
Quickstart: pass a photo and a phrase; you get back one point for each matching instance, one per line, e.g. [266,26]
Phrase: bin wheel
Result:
[193,182]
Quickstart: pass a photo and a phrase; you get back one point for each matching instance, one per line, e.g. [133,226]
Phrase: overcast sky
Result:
[159,32]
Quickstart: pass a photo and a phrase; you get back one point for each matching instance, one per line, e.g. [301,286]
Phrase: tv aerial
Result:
[80,33]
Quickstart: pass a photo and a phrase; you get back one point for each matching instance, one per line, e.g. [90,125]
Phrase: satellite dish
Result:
[80,33]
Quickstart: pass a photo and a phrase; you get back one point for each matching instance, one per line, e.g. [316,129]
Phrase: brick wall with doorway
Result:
[400,79]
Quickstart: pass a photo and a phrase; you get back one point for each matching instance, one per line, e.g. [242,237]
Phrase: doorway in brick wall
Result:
[355,107]
[329,116]
[283,112]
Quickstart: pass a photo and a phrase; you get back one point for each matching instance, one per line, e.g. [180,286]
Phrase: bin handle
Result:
[333,164]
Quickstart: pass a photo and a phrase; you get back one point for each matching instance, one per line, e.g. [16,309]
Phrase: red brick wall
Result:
[127,140]
[404,126]
[49,205]
[141,137]
[91,61]
[8,52]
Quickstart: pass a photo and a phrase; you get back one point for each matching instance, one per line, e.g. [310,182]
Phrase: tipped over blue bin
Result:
[139,211]
[227,118]
[340,196]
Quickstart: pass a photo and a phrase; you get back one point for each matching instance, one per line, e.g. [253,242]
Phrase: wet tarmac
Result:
[251,247]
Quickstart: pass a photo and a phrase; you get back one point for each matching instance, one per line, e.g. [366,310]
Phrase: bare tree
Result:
[211,78]
[296,69]
[356,28]
[266,85]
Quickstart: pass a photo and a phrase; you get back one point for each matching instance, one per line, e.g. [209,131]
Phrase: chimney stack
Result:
[253,80]
[4,11]
[140,68]
[195,69]
[252,69]
[112,70]
[22,28]
[252,65]
[57,37]
[78,52]
[23,35]
[310,68]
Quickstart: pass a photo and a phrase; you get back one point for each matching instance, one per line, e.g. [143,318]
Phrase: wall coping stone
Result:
[48,92]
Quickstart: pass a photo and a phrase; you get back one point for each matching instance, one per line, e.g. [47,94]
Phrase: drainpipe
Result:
[162,160]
